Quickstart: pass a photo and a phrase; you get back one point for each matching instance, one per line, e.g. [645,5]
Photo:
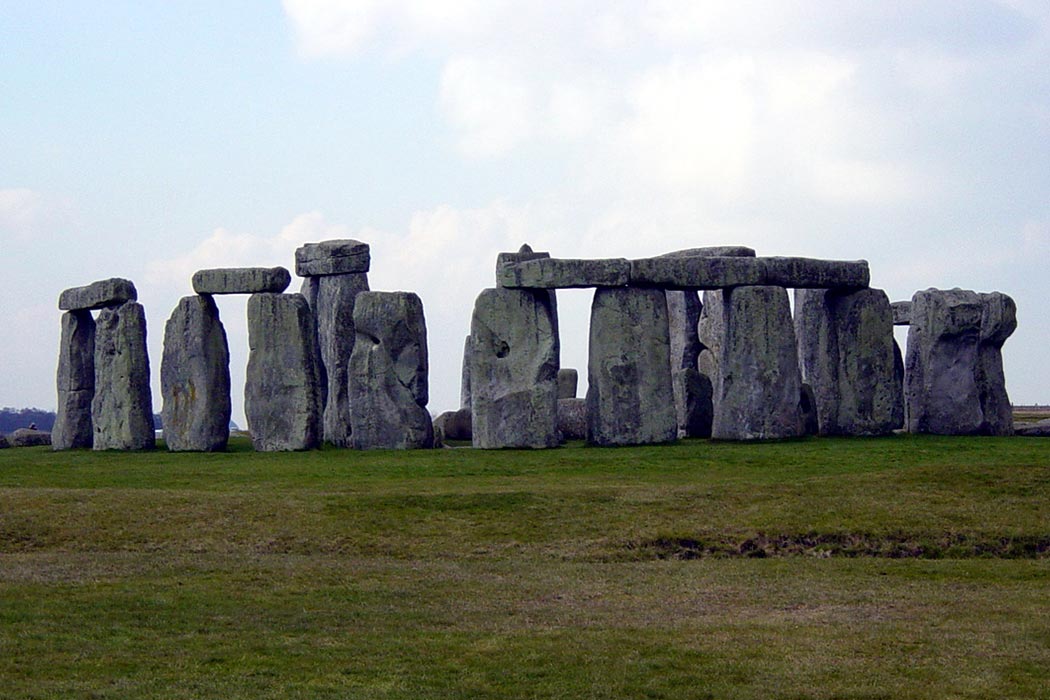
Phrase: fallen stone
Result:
[388,373]
[694,406]
[28,437]
[453,425]
[1037,429]
[706,272]
[514,370]
[195,378]
[901,313]
[630,399]
[846,354]
[282,390]
[568,383]
[122,409]
[98,295]
[336,335]
[76,382]
[336,257]
[572,419]
[241,280]
[759,388]
[954,384]
[559,273]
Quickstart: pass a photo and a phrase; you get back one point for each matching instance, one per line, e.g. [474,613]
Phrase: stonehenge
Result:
[344,365]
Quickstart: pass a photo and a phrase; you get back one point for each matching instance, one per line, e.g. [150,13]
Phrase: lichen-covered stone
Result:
[98,295]
[758,391]
[195,378]
[388,373]
[630,399]
[453,425]
[568,383]
[524,254]
[901,313]
[846,354]
[29,437]
[122,409]
[76,382]
[572,419]
[335,257]
[558,273]
[954,384]
[514,369]
[282,390]
[241,280]
[679,271]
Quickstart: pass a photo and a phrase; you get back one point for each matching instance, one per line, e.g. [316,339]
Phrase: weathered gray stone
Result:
[954,383]
[336,257]
[282,390]
[388,373]
[713,251]
[710,330]
[453,425]
[1037,429]
[630,399]
[514,369]
[98,295]
[808,405]
[524,253]
[122,409]
[901,313]
[562,273]
[334,312]
[309,289]
[759,388]
[464,376]
[693,403]
[195,378]
[76,382]
[572,419]
[241,280]
[707,272]
[28,437]
[683,312]
[846,354]
[568,383]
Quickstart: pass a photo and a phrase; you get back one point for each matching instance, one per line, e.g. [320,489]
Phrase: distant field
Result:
[902,567]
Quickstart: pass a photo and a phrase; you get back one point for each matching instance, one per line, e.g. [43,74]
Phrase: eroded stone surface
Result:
[282,390]
[572,419]
[335,257]
[514,369]
[122,409]
[76,382]
[694,406]
[556,273]
[28,437]
[759,388]
[630,399]
[241,280]
[901,313]
[98,295]
[568,383]
[711,272]
[195,378]
[464,376]
[453,425]
[334,310]
[388,373]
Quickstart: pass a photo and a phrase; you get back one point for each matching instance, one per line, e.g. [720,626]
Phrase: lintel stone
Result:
[98,295]
[335,257]
[241,280]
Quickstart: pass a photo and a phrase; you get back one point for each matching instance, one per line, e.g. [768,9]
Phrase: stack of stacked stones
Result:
[104,399]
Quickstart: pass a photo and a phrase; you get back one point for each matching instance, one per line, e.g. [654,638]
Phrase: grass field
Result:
[901,567]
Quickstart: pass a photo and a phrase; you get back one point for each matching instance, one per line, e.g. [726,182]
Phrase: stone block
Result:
[335,257]
[98,295]
[241,280]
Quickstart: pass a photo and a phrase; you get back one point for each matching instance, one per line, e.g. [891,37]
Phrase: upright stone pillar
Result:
[759,388]
[846,354]
[282,393]
[630,398]
[195,378]
[76,381]
[122,410]
[954,384]
[388,373]
[335,273]
[514,369]
[464,376]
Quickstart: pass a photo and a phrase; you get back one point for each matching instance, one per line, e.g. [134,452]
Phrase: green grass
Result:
[914,567]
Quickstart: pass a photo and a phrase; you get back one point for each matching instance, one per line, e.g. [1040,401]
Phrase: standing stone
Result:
[282,392]
[846,354]
[693,405]
[568,383]
[388,373]
[808,403]
[514,369]
[76,382]
[334,309]
[572,419]
[954,383]
[630,399]
[122,410]
[195,378]
[464,376]
[710,332]
[758,392]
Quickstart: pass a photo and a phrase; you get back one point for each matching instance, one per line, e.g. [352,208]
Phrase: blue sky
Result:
[150,139]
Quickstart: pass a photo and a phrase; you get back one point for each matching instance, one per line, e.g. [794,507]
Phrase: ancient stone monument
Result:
[388,385]
[76,381]
[954,383]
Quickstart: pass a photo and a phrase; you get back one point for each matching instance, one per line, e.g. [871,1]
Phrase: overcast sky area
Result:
[148,140]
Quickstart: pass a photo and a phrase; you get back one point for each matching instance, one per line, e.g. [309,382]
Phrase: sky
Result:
[151,139]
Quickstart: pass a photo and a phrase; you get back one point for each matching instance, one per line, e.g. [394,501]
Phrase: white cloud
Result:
[489,105]
[26,214]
